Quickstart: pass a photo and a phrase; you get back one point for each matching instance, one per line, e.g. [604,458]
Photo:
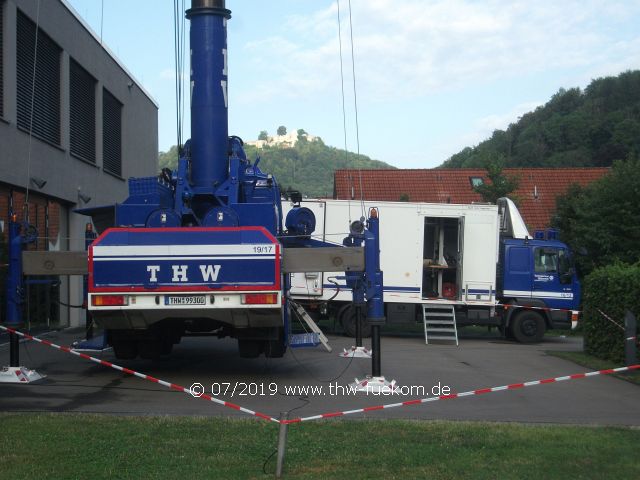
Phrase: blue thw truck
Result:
[205,249]
[477,264]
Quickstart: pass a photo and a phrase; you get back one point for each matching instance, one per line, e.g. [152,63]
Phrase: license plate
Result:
[185,300]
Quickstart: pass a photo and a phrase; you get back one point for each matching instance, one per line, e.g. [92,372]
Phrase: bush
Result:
[614,289]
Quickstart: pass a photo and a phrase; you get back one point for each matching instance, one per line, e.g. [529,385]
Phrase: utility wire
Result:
[355,104]
[344,111]
[33,94]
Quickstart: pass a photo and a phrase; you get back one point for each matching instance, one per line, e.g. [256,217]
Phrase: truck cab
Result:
[534,271]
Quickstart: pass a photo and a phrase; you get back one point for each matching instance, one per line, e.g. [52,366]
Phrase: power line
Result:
[355,104]
[33,94]
[344,113]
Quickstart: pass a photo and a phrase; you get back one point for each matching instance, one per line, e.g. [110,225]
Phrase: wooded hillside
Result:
[590,128]
[308,166]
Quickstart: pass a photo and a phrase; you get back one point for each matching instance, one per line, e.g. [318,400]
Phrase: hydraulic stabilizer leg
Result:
[14,350]
[375,307]
[355,280]
[14,373]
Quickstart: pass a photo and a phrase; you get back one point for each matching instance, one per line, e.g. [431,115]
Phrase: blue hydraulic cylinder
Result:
[209,101]
[14,277]
[373,274]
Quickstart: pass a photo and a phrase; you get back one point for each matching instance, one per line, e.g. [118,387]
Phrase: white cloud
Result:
[484,127]
[416,48]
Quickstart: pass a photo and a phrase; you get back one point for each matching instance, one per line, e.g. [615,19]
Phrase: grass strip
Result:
[75,446]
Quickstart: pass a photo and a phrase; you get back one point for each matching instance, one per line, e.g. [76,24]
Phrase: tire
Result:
[250,348]
[275,348]
[125,349]
[166,346]
[528,327]
[150,349]
[347,317]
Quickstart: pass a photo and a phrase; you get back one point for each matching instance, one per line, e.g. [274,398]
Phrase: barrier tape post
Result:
[630,332]
[282,443]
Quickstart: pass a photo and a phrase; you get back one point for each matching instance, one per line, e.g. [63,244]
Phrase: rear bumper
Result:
[144,310]
[143,319]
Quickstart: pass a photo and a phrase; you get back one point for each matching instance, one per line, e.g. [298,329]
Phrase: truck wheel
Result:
[347,317]
[150,349]
[275,348]
[249,348]
[528,327]
[166,346]
[124,349]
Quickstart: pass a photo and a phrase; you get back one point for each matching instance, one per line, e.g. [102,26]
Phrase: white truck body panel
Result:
[405,243]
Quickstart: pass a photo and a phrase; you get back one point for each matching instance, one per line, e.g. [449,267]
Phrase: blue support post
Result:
[15,373]
[374,289]
[14,277]
[14,290]
[374,281]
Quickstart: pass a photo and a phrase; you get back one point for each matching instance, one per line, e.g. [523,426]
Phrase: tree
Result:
[282,130]
[302,134]
[168,159]
[264,135]
[500,186]
[404,197]
[603,219]
[584,128]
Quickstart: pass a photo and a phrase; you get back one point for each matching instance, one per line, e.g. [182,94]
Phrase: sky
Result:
[431,76]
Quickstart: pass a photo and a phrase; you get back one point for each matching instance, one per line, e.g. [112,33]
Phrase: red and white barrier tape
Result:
[407,403]
[452,396]
[128,371]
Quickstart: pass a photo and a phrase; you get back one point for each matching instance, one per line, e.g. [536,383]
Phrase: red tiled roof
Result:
[537,190]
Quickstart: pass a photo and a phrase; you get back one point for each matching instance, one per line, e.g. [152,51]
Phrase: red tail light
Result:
[109,300]
[260,299]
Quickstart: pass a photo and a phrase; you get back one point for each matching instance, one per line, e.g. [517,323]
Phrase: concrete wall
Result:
[22,157]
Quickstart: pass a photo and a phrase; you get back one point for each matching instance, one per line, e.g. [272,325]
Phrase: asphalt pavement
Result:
[293,382]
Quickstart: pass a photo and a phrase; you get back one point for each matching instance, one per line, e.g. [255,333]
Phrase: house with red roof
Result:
[537,190]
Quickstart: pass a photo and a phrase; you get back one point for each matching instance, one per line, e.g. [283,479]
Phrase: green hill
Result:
[308,166]
[590,128]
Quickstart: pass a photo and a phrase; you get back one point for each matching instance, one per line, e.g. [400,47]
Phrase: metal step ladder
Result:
[313,339]
[439,323]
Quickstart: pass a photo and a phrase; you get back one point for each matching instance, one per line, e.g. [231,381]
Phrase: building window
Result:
[476,181]
[82,113]
[111,133]
[44,85]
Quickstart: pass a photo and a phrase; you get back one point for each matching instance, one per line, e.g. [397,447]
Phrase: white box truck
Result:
[476,264]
